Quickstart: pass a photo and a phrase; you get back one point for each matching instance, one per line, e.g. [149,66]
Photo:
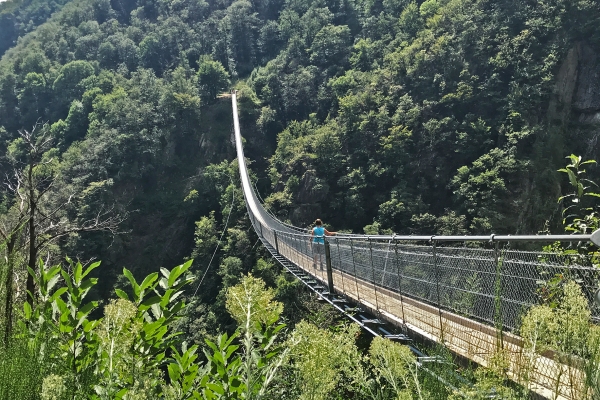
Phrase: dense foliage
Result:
[134,350]
[434,116]
[18,17]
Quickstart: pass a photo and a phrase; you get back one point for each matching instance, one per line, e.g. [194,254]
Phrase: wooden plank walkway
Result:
[465,337]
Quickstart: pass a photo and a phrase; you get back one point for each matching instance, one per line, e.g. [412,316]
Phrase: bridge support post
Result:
[276,242]
[498,296]
[373,274]
[337,242]
[354,266]
[437,286]
[399,281]
[329,269]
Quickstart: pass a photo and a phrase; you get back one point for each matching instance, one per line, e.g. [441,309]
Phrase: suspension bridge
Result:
[469,299]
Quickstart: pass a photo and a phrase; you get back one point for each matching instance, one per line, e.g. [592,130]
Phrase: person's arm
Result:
[312,233]
[330,233]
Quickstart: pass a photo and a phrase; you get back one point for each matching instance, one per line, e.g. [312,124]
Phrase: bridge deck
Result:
[470,339]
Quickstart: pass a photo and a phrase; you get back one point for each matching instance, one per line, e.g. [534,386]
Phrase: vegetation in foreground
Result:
[66,348]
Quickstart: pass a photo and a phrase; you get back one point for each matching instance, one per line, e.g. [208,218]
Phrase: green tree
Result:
[67,85]
[331,46]
[41,211]
[212,79]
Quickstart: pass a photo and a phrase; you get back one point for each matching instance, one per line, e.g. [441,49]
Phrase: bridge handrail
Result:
[466,238]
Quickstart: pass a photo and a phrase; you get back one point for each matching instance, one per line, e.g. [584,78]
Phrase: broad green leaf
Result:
[230,350]
[572,178]
[212,345]
[218,389]
[89,269]
[86,309]
[149,280]
[174,310]
[52,282]
[164,283]
[61,305]
[176,295]
[88,283]
[174,372]
[156,311]
[67,279]
[77,273]
[166,298]
[147,303]
[178,271]
[88,326]
[59,292]
[134,284]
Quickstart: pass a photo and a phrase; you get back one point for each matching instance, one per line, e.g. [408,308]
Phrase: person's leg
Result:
[321,251]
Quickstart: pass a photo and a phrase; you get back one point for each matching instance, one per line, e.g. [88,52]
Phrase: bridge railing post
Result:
[276,241]
[399,281]
[373,274]
[354,267]
[498,296]
[337,242]
[437,286]
[329,269]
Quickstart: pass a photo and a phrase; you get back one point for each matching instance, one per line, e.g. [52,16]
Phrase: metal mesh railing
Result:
[493,286]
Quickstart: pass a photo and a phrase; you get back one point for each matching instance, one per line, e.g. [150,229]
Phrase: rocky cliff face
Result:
[575,108]
[587,96]
[577,87]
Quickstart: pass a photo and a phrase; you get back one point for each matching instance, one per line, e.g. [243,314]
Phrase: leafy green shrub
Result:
[396,371]
[567,331]
[75,356]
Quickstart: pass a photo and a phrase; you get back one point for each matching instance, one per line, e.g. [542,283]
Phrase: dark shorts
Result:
[318,248]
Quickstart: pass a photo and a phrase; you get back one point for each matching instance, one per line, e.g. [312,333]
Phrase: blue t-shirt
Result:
[319,233]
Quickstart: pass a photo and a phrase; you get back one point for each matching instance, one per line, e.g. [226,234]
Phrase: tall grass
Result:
[22,369]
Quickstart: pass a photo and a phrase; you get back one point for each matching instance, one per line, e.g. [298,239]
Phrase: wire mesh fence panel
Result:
[467,278]
[384,271]
[530,278]
[468,281]
[418,272]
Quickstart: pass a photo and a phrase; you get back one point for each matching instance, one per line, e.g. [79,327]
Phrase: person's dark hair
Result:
[318,222]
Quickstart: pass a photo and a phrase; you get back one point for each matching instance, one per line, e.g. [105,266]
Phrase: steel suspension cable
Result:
[220,239]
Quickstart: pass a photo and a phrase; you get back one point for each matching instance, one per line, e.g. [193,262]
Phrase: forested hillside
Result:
[430,117]
[18,17]
[413,117]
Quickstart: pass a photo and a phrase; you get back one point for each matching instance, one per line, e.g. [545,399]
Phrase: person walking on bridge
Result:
[317,235]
